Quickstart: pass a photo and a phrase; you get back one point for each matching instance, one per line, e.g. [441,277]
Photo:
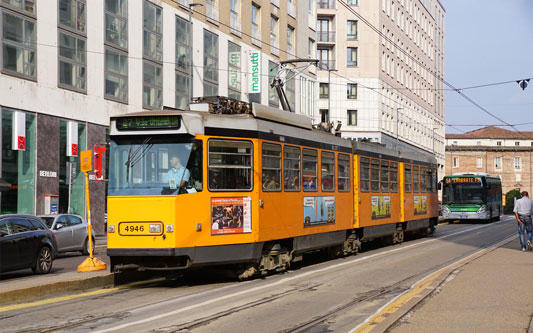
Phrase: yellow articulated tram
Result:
[254,191]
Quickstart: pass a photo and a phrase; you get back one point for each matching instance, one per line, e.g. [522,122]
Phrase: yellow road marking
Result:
[70,297]
[416,290]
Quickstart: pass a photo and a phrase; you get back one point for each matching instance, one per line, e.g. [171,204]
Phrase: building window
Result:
[182,90]
[517,163]
[352,56]
[152,85]
[324,90]
[324,62]
[497,163]
[352,117]
[479,162]
[72,15]
[272,94]
[324,116]
[153,56]
[518,177]
[456,162]
[274,33]
[18,45]
[234,75]
[24,6]
[210,64]
[310,48]
[256,24]
[352,2]
[290,40]
[72,62]
[352,30]
[499,143]
[290,89]
[517,143]
[116,75]
[352,91]
[116,23]
[183,63]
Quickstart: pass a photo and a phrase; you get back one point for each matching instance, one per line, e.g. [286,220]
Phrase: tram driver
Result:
[178,175]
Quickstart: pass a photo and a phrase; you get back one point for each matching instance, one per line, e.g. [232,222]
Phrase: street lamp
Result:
[191,5]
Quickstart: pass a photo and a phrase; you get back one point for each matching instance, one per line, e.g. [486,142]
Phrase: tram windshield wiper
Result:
[136,156]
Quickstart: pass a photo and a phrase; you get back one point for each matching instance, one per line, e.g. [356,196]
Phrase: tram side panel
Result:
[420,196]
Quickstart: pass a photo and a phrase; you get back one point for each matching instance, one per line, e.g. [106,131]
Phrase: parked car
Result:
[26,242]
[70,230]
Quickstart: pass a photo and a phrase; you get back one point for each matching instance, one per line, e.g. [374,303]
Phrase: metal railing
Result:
[235,24]
[325,36]
[325,65]
[326,4]
[211,12]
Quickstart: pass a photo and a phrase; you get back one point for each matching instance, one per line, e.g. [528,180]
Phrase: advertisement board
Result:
[380,206]
[420,206]
[254,68]
[231,216]
[319,210]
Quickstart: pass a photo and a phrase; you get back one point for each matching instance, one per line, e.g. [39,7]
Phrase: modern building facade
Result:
[367,83]
[66,66]
[496,151]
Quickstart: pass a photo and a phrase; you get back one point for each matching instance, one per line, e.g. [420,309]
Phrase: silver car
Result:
[70,230]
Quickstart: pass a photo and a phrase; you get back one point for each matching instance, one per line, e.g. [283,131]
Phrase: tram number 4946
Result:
[134,228]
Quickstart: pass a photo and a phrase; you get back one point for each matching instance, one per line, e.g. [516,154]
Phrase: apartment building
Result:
[66,66]
[496,151]
[367,83]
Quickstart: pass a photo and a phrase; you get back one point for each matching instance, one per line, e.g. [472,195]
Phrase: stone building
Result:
[496,151]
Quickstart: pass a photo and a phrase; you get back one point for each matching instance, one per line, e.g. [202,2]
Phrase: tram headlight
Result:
[111,228]
[482,210]
[155,228]
[445,210]
[170,228]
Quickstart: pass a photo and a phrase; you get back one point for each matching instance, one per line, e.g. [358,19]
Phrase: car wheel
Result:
[43,264]
[85,249]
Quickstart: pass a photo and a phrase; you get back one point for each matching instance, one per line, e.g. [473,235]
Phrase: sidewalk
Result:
[22,286]
[493,293]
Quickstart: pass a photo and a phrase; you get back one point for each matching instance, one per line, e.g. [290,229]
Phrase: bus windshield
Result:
[463,193]
[154,166]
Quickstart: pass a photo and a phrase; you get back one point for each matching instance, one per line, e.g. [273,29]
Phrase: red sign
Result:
[21,142]
[74,149]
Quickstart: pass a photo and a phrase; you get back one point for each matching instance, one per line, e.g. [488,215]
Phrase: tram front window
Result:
[463,193]
[153,166]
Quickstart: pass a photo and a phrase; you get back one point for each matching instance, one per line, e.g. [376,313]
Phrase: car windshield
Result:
[463,193]
[48,220]
[146,165]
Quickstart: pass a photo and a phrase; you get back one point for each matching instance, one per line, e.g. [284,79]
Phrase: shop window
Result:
[384,176]
[374,175]
[309,174]
[394,177]
[328,171]
[365,174]
[291,169]
[416,179]
[343,173]
[230,165]
[18,168]
[408,179]
[271,167]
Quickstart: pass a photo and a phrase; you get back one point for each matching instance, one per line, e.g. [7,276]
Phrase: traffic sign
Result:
[85,161]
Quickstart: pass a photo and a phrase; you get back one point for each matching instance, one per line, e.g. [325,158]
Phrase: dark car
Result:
[26,242]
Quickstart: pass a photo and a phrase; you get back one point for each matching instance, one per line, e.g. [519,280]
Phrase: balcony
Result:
[325,36]
[326,4]
[291,9]
[211,11]
[235,24]
[325,65]
[274,45]
[256,35]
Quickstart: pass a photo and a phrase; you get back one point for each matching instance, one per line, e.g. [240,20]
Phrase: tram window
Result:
[328,171]
[343,172]
[416,179]
[271,167]
[394,177]
[384,176]
[374,175]
[429,180]
[364,174]
[408,179]
[230,165]
[433,180]
[309,174]
[291,158]
[423,186]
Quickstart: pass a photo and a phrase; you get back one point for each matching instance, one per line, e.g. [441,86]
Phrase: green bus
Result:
[471,196]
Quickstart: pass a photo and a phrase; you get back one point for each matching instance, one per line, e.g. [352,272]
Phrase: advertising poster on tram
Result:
[420,204]
[380,206]
[319,210]
[231,216]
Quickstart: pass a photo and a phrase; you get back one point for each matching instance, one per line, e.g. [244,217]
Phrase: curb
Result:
[56,288]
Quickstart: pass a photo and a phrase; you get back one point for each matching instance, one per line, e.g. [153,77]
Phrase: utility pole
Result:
[191,6]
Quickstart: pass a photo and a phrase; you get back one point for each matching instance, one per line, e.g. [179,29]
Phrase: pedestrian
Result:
[522,211]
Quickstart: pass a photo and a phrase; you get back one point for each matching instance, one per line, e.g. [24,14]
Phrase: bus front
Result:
[155,177]
[464,197]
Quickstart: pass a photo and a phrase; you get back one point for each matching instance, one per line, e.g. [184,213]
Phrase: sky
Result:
[488,41]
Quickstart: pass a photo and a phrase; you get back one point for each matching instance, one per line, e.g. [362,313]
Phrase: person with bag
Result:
[522,210]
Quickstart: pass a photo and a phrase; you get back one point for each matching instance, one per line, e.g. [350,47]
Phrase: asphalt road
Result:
[316,296]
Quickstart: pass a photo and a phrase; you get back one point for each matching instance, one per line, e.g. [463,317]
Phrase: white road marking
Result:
[286,280]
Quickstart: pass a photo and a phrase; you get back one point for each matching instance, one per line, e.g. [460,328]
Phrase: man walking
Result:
[522,212]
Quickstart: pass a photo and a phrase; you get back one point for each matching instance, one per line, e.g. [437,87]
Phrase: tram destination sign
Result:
[148,123]
[463,180]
